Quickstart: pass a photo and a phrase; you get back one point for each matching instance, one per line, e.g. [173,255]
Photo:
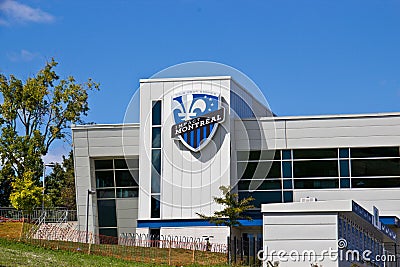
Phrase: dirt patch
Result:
[10,230]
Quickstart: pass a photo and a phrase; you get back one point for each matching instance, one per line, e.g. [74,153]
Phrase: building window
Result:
[287,184]
[156,113]
[116,174]
[375,167]
[344,153]
[326,153]
[260,184]
[126,178]
[315,168]
[344,183]
[288,196]
[156,137]
[104,178]
[375,152]
[344,168]
[259,170]
[115,178]
[155,206]
[286,154]
[375,183]
[262,197]
[103,164]
[156,143]
[287,169]
[315,183]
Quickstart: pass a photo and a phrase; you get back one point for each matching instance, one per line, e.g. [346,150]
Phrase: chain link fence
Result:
[64,236]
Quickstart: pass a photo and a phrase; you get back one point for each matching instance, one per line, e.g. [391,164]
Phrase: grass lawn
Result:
[13,253]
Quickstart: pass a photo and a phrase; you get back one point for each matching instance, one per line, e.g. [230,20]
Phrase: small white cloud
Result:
[23,55]
[56,153]
[14,11]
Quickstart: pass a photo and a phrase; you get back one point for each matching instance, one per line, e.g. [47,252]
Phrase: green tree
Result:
[233,211]
[26,195]
[34,114]
[60,184]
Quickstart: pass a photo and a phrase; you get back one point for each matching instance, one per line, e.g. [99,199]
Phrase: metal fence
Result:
[176,253]
[243,251]
[52,215]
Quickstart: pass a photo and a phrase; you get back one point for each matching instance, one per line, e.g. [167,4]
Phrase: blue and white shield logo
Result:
[197,116]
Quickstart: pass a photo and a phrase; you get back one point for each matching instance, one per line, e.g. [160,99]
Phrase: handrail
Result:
[53,214]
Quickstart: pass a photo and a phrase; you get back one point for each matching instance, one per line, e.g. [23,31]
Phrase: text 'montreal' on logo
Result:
[196,116]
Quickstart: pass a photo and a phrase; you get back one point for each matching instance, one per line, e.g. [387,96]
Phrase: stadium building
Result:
[315,179]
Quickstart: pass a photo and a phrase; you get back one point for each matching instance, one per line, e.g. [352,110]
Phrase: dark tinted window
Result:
[315,168]
[315,183]
[126,163]
[288,196]
[375,167]
[103,164]
[259,184]
[286,154]
[127,192]
[344,152]
[344,168]
[155,206]
[106,212]
[132,163]
[255,155]
[105,193]
[345,182]
[155,171]
[156,159]
[156,113]
[287,169]
[375,182]
[125,178]
[108,232]
[104,179]
[370,152]
[259,155]
[156,137]
[315,153]
[259,170]
[262,197]
[287,184]
[120,164]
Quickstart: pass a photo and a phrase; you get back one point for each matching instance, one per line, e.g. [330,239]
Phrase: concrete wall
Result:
[96,142]
[289,231]
[363,130]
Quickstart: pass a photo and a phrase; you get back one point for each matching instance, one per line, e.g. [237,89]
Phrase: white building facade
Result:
[196,134]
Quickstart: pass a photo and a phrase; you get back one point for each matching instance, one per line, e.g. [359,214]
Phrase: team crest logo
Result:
[197,117]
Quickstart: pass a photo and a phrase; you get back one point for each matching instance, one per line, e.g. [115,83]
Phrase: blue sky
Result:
[308,57]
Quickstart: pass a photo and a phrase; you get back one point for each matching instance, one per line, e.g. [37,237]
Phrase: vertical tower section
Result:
[184,146]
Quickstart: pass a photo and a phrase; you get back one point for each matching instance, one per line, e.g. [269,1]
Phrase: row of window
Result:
[287,184]
[117,178]
[322,153]
[264,197]
[155,159]
[318,168]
